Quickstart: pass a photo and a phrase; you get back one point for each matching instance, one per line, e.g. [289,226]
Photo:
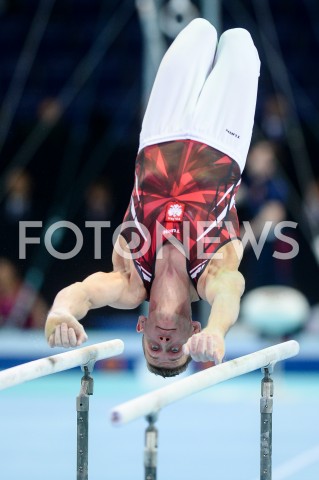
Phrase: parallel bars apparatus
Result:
[58,363]
[84,357]
[150,404]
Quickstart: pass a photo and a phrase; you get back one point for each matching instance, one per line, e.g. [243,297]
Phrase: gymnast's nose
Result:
[164,338]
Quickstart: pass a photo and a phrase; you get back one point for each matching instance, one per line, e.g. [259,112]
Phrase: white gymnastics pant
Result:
[206,91]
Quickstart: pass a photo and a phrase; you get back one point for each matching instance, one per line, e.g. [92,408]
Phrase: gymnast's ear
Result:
[140,324]
[196,327]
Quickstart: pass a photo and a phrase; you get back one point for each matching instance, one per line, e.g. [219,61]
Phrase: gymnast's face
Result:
[165,337]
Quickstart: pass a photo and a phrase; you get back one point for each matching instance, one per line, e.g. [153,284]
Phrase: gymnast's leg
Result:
[225,110]
[178,83]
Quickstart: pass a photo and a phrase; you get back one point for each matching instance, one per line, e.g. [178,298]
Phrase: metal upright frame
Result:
[150,451]
[82,408]
[266,408]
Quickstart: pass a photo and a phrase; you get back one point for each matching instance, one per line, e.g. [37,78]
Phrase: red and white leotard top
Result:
[184,190]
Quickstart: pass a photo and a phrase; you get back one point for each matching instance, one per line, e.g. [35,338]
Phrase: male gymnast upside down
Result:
[194,141]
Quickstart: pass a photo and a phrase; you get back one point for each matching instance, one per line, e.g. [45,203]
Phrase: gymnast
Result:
[179,240]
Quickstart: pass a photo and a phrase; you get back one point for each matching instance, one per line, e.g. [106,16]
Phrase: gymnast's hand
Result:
[63,330]
[205,346]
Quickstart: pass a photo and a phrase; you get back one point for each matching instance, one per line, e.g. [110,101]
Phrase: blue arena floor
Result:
[211,435]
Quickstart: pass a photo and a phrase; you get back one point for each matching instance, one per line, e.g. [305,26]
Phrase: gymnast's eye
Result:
[175,349]
[154,348]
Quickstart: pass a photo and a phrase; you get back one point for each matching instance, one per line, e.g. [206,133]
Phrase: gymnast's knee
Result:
[237,35]
[239,43]
[200,27]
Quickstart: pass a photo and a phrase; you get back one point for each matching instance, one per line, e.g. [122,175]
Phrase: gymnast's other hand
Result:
[205,346]
[63,330]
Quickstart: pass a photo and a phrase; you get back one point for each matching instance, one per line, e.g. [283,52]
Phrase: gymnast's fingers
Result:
[196,347]
[51,340]
[57,336]
[72,337]
[190,346]
[65,335]
[80,334]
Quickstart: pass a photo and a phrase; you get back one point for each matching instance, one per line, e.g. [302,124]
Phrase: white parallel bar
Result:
[58,363]
[152,402]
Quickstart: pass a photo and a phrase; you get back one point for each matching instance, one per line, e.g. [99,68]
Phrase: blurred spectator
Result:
[20,305]
[311,211]
[311,205]
[17,205]
[18,201]
[275,116]
[49,111]
[98,207]
[99,203]
[262,198]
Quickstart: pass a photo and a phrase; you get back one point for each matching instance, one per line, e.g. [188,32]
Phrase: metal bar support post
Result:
[150,451]
[266,409]
[82,408]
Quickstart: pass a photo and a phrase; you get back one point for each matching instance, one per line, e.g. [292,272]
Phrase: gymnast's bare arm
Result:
[121,288]
[222,285]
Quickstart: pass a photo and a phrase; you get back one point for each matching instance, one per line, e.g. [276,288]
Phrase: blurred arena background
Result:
[75,76]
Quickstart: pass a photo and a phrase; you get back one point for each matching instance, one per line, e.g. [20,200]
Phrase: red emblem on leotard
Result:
[174,212]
